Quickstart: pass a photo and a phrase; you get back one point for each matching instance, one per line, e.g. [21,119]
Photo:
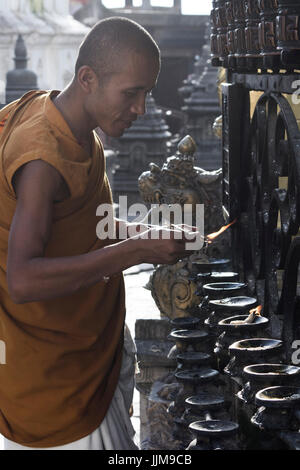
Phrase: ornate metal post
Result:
[251,34]
[267,34]
[231,44]
[288,31]
[222,31]
[214,36]
[239,32]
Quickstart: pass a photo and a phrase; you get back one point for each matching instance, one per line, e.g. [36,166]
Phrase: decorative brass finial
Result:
[187,146]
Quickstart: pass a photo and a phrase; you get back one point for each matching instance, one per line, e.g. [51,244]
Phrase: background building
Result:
[52,38]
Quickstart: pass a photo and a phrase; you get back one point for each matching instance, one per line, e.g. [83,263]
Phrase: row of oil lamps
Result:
[255,33]
[234,386]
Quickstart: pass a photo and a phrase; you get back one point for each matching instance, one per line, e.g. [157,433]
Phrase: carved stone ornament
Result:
[172,291]
[180,182]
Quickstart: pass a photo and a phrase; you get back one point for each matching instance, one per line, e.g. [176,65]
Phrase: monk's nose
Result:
[139,107]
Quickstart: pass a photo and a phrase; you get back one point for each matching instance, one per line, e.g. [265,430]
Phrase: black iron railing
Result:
[258,42]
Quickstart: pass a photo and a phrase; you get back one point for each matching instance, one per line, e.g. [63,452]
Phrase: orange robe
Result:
[63,356]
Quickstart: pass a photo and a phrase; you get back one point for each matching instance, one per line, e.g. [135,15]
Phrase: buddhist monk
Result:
[68,377]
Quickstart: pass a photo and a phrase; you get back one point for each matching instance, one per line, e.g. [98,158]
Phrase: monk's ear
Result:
[87,79]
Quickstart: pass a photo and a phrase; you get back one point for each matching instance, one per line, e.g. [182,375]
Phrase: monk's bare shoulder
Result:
[40,174]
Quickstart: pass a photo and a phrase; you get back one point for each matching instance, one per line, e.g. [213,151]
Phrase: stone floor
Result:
[139,304]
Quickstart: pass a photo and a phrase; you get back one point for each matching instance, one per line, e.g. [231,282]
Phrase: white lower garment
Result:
[116,431]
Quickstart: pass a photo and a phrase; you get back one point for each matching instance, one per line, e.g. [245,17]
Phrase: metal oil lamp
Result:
[185,323]
[182,323]
[189,340]
[252,351]
[236,328]
[218,290]
[214,435]
[185,349]
[211,265]
[224,307]
[278,410]
[259,376]
[192,360]
[191,382]
[205,406]
[202,279]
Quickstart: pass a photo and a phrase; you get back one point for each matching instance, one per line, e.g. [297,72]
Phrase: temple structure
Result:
[146,142]
[52,38]
[20,79]
[202,107]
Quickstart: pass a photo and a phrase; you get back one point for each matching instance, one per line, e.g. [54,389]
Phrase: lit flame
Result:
[214,235]
[256,311]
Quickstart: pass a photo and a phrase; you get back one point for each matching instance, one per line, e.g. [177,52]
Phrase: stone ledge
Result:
[149,375]
[154,353]
[154,329]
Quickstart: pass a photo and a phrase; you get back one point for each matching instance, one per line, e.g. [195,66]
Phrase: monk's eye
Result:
[130,94]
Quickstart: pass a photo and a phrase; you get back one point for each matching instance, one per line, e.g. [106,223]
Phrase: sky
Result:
[189,7]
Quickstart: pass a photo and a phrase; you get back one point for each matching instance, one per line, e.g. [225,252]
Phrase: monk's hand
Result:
[161,245]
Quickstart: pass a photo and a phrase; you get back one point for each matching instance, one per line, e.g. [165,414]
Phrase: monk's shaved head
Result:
[109,41]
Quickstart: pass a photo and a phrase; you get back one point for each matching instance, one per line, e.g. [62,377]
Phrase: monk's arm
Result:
[31,276]
[126,229]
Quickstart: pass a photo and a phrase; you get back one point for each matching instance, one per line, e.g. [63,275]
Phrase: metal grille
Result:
[255,41]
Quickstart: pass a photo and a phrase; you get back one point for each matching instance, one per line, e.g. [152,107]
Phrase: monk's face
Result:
[118,102]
